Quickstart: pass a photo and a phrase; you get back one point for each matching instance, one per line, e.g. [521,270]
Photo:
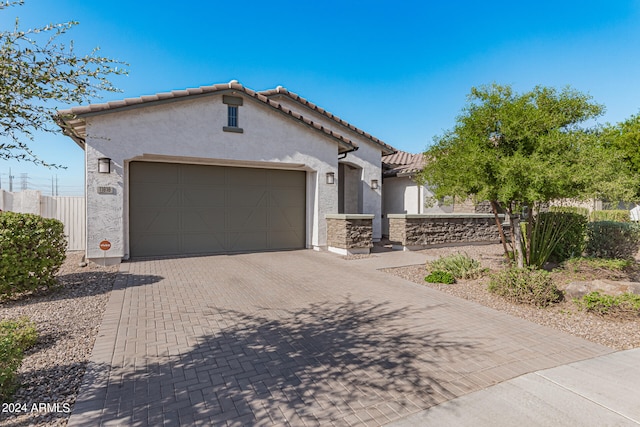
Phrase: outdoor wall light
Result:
[104,165]
[331,178]
[374,184]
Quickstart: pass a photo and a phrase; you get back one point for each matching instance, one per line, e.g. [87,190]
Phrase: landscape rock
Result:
[609,287]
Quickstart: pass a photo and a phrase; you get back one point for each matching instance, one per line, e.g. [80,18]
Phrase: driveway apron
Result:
[296,338]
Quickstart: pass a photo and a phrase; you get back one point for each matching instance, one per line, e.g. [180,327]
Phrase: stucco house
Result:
[220,169]
[402,194]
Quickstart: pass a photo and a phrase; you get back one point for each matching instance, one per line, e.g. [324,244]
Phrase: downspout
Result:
[347,152]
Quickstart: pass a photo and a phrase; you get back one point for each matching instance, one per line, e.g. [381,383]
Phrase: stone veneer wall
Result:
[350,231]
[411,231]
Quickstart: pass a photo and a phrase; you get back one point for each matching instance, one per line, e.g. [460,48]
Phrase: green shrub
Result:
[615,215]
[570,209]
[574,240]
[439,276]
[525,286]
[461,266]
[32,249]
[608,239]
[602,304]
[555,236]
[613,264]
[15,337]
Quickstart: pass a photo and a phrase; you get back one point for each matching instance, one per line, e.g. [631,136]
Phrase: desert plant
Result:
[525,286]
[439,276]
[554,235]
[32,249]
[461,266]
[613,264]
[616,215]
[608,239]
[574,239]
[603,304]
[15,337]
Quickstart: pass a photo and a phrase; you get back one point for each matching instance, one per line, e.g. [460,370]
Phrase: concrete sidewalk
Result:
[603,391]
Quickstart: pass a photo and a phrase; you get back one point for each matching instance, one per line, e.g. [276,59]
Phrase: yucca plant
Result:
[548,229]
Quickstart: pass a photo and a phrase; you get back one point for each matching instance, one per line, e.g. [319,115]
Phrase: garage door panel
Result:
[283,219]
[204,197]
[154,244]
[190,209]
[247,197]
[283,178]
[201,175]
[156,220]
[197,243]
[248,241]
[246,177]
[248,219]
[287,197]
[203,220]
[286,239]
[155,173]
[147,195]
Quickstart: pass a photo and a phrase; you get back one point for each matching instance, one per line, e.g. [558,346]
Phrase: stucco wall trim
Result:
[218,162]
[425,216]
[349,216]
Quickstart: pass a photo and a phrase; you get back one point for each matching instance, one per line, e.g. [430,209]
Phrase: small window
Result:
[233,103]
[232,121]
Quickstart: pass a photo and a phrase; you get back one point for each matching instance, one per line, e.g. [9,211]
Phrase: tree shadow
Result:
[351,362]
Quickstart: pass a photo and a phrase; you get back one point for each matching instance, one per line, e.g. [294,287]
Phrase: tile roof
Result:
[281,91]
[402,163]
[73,122]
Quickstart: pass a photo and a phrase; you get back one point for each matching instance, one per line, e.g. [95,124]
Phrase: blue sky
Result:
[399,70]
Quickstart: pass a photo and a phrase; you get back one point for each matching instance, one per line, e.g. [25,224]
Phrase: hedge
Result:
[32,249]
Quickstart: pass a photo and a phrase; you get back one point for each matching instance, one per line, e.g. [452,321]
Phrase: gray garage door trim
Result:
[187,209]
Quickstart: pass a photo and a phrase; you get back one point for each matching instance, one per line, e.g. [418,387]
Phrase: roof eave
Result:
[282,92]
[79,114]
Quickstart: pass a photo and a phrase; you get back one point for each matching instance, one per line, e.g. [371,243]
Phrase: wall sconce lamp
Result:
[104,165]
[331,178]
[374,184]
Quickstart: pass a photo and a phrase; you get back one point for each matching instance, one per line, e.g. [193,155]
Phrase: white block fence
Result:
[70,210]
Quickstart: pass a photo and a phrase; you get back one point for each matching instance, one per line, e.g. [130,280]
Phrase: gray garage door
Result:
[178,209]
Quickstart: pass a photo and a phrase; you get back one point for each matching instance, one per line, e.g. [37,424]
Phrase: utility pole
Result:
[10,181]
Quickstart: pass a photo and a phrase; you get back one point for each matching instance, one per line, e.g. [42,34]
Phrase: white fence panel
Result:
[70,210]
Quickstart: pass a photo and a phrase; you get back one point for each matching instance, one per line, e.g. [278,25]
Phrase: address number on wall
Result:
[106,190]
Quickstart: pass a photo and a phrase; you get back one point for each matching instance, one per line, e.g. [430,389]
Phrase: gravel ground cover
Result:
[616,333]
[67,320]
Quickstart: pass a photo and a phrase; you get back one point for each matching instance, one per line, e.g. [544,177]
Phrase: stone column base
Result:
[351,251]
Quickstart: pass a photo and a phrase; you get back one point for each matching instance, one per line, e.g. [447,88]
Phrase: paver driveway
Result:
[296,338]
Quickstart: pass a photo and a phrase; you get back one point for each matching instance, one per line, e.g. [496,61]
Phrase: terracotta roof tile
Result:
[280,91]
[72,122]
[402,163]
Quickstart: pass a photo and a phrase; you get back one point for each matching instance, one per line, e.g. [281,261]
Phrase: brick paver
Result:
[296,338]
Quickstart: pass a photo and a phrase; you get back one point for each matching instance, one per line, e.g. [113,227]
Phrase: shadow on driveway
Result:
[352,362]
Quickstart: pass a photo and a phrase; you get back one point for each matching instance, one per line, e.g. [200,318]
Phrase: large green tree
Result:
[520,150]
[625,137]
[40,70]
